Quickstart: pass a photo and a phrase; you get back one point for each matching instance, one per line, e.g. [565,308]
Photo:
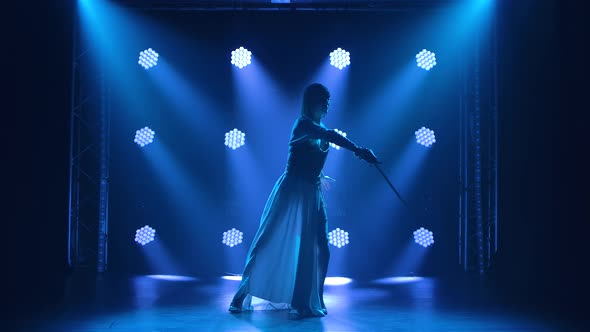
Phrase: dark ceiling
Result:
[364,5]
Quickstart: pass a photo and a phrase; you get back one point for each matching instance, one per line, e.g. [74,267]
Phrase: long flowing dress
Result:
[288,259]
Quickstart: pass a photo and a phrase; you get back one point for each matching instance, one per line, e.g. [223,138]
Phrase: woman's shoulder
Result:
[303,117]
[302,121]
[307,120]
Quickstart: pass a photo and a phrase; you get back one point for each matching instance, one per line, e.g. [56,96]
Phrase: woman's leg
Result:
[323,254]
[303,279]
[312,273]
[240,295]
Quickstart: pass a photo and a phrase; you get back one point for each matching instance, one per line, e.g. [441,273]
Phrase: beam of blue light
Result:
[449,30]
[245,180]
[404,171]
[196,110]
[159,259]
[456,26]
[245,174]
[93,17]
[177,183]
[261,106]
[112,37]
[258,94]
[384,112]
[408,165]
[407,263]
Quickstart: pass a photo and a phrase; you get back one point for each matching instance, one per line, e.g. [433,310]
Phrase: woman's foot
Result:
[236,306]
[296,314]
[234,309]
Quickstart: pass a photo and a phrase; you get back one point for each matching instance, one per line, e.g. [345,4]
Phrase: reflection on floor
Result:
[155,303]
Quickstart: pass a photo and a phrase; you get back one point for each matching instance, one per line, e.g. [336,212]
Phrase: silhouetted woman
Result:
[288,259]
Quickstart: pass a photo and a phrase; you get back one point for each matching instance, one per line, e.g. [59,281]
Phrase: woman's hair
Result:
[314,94]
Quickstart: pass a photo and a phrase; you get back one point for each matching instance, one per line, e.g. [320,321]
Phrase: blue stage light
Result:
[423,237]
[425,136]
[144,136]
[145,235]
[235,138]
[148,58]
[339,58]
[338,238]
[426,59]
[241,57]
[334,145]
[232,238]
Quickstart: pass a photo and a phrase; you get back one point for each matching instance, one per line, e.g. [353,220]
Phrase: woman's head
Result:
[316,101]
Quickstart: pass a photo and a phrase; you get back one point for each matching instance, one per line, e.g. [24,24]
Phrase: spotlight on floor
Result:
[170,277]
[144,136]
[337,281]
[425,136]
[241,57]
[397,280]
[234,139]
[426,59]
[338,238]
[148,58]
[232,278]
[423,237]
[339,58]
[341,133]
[145,235]
[232,238]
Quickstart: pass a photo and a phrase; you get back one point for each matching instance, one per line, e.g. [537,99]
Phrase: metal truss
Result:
[478,157]
[88,161]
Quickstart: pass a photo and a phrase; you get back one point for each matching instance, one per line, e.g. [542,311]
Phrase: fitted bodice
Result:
[307,155]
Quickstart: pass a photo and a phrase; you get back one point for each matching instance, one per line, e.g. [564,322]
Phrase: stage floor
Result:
[149,303]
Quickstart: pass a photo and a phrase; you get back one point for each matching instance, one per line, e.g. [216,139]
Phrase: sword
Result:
[390,184]
[371,158]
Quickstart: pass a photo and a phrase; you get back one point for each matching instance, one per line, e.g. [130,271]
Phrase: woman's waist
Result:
[305,174]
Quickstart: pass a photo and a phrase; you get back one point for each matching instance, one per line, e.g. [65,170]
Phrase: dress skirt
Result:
[288,259]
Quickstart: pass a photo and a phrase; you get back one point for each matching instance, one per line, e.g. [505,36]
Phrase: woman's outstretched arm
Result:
[307,129]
